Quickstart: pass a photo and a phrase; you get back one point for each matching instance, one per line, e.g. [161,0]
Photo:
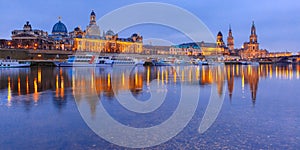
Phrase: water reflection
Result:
[33,81]
[27,84]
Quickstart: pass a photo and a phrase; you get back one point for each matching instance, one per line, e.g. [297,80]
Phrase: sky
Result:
[277,22]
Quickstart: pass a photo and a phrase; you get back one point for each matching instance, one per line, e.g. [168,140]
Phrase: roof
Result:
[59,28]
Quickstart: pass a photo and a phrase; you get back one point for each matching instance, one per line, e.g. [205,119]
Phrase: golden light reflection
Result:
[162,77]
[123,79]
[8,92]
[57,86]
[19,85]
[136,79]
[276,71]
[190,75]
[35,94]
[182,75]
[39,75]
[62,87]
[148,75]
[109,81]
[92,80]
[271,73]
[197,74]
[175,76]
[158,74]
[243,81]
[27,85]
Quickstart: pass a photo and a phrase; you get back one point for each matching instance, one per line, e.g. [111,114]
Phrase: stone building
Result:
[60,37]
[91,40]
[251,49]
[29,38]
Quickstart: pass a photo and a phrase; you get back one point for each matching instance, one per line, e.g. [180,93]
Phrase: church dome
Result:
[220,33]
[59,28]
[93,13]
[110,32]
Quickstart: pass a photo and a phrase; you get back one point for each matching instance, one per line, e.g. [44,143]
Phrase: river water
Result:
[42,107]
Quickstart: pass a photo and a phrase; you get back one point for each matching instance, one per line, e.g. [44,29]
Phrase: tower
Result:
[220,42]
[253,44]
[253,36]
[93,30]
[93,18]
[230,40]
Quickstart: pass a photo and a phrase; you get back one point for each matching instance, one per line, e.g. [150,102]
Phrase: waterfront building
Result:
[156,50]
[29,38]
[197,49]
[185,49]
[279,54]
[92,41]
[251,49]
[60,37]
[212,49]
[200,48]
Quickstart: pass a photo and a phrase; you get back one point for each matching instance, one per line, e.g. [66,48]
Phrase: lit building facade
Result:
[251,49]
[92,41]
[200,48]
[185,49]
[29,38]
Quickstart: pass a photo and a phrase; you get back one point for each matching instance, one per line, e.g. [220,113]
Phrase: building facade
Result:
[251,49]
[92,41]
[29,38]
[60,37]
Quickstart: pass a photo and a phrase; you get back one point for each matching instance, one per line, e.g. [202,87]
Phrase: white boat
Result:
[202,62]
[86,61]
[125,61]
[12,63]
[253,63]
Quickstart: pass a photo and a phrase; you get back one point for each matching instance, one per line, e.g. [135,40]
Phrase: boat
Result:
[13,63]
[201,62]
[86,61]
[252,63]
[125,61]
[163,62]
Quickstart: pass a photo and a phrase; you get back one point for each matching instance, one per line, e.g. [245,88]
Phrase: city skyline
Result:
[276,26]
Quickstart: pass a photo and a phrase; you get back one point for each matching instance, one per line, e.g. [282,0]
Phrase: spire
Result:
[230,31]
[253,30]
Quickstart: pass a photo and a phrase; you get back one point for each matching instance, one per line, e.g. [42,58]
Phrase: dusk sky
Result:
[277,22]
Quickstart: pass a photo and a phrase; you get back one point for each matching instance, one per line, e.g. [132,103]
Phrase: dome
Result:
[59,28]
[93,13]
[110,32]
[220,34]
[135,35]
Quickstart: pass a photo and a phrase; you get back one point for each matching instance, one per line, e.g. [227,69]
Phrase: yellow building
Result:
[91,40]
[251,49]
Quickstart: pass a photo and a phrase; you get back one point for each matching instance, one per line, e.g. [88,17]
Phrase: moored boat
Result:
[13,63]
[86,61]
[125,61]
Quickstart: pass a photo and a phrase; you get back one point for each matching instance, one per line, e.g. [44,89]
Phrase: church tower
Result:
[230,40]
[220,42]
[253,36]
[253,44]
[93,30]
[93,18]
